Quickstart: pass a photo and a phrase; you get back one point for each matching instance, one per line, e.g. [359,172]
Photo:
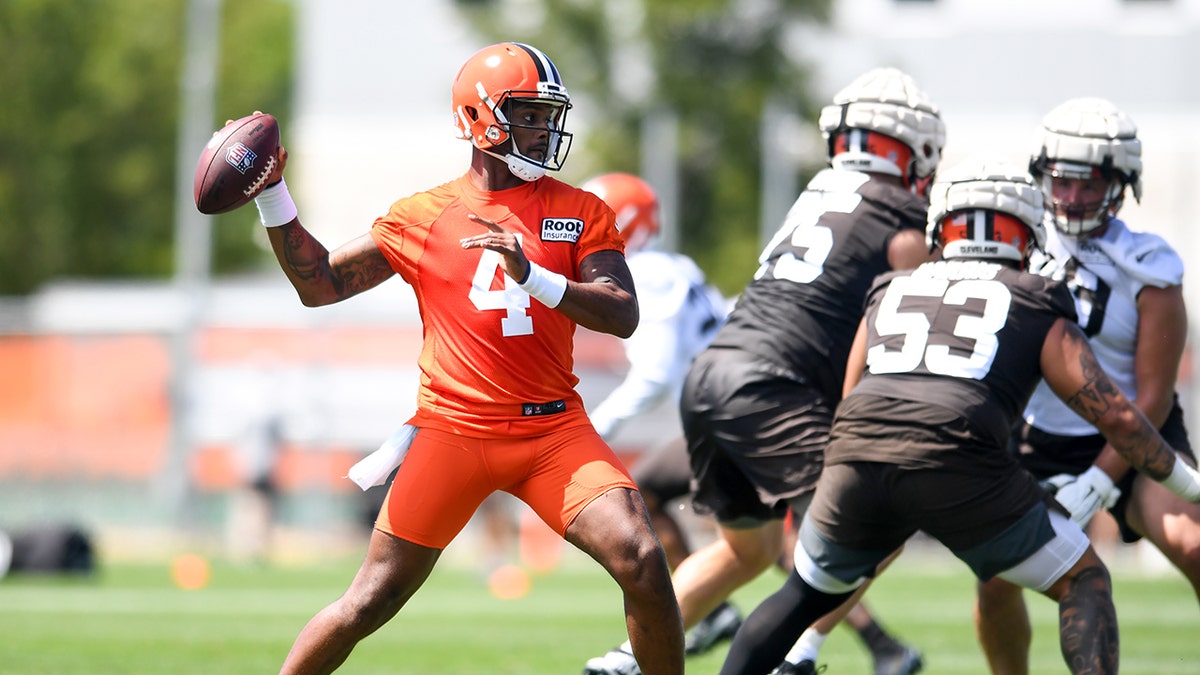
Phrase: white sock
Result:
[626,647]
[807,647]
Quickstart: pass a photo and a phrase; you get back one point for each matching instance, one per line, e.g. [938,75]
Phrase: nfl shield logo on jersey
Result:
[240,157]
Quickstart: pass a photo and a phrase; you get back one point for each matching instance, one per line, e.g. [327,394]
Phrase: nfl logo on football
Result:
[240,157]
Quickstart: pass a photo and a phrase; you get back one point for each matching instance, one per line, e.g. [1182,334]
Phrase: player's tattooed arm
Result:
[1071,370]
[357,266]
[1096,396]
[321,277]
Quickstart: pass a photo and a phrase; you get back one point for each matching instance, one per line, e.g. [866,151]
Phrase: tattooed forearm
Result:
[1145,449]
[1096,396]
[304,257]
[1101,403]
[355,274]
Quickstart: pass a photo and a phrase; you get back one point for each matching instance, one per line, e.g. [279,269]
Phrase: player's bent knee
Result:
[821,580]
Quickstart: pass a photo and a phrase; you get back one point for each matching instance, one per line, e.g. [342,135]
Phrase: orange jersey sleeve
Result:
[489,348]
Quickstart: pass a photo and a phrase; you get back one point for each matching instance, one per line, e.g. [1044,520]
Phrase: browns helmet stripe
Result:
[547,71]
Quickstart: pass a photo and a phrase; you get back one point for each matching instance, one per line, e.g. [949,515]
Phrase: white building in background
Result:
[371,119]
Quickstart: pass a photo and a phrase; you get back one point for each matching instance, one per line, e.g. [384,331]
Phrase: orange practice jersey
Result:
[489,347]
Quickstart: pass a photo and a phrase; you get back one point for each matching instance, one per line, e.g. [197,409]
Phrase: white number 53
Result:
[980,329]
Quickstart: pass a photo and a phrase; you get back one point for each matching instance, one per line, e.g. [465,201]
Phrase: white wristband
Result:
[275,205]
[1183,481]
[548,287]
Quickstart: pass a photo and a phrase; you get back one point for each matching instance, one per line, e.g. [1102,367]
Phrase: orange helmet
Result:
[633,201]
[481,93]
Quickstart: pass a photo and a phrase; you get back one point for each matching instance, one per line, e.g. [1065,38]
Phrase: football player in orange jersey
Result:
[505,263]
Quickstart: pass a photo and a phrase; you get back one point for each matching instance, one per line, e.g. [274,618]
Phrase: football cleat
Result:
[720,624]
[616,662]
[805,667]
[904,662]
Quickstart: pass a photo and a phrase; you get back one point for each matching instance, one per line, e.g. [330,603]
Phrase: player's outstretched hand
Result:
[1083,495]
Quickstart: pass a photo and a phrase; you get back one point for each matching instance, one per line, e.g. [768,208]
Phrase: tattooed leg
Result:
[1088,622]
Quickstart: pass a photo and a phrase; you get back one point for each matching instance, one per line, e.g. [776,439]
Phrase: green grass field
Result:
[132,619]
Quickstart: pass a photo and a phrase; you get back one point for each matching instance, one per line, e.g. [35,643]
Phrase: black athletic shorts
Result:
[1044,455]
[756,436]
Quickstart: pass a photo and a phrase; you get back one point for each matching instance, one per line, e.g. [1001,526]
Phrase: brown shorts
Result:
[756,436]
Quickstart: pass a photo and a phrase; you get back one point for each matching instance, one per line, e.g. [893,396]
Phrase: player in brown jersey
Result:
[758,402]
[942,365]
[505,263]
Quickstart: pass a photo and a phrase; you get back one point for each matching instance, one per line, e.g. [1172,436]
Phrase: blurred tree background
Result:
[88,131]
[714,64]
[91,94]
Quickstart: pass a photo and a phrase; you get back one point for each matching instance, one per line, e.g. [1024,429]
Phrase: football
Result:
[236,164]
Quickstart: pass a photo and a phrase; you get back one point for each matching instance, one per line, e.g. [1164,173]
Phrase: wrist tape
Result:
[275,205]
[548,287]
[1183,481]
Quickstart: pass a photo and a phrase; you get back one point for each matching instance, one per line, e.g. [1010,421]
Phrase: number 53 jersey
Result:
[963,335]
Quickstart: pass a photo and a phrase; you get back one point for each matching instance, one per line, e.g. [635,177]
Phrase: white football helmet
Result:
[1087,138]
[886,101]
[986,210]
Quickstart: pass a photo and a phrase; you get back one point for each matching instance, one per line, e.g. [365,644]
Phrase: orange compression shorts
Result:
[445,477]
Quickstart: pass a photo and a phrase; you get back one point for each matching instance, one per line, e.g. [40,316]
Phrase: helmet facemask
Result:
[1086,139]
[1077,217]
[558,142]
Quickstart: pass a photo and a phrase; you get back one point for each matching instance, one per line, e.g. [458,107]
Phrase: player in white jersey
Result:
[1128,294]
[680,313]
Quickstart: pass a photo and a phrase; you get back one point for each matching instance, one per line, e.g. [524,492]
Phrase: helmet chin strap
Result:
[519,166]
[524,169]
